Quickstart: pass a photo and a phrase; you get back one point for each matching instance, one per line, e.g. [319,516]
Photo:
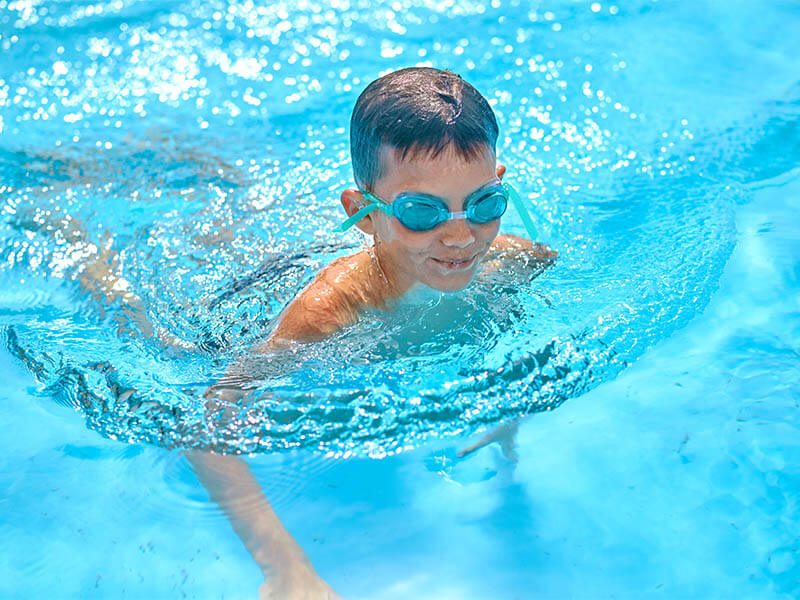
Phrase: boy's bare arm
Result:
[231,484]
[326,305]
[233,487]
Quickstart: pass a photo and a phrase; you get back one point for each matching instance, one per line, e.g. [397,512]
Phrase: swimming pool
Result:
[659,146]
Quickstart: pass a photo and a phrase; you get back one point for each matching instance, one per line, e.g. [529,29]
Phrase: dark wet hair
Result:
[418,111]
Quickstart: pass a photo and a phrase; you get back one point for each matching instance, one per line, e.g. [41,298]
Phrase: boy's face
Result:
[446,257]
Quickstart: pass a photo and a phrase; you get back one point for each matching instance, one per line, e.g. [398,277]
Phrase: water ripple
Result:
[170,182]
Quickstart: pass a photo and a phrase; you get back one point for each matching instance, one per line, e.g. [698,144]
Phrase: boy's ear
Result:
[353,201]
[501,170]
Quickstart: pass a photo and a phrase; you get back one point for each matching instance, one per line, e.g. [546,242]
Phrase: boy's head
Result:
[421,112]
[424,130]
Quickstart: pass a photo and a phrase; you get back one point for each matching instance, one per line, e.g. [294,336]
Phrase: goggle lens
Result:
[489,206]
[419,213]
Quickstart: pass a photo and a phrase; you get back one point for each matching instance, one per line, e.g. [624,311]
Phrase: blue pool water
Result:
[658,144]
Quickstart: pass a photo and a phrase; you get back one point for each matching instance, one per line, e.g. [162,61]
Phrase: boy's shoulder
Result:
[331,301]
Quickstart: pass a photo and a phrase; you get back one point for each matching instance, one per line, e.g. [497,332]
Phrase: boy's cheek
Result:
[413,240]
[489,232]
[391,229]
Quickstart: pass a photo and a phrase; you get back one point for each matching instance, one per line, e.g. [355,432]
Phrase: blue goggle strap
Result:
[375,204]
[522,210]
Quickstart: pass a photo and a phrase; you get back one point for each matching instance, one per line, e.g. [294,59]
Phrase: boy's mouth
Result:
[456,264]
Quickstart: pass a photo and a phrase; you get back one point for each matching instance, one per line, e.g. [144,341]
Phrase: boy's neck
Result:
[393,284]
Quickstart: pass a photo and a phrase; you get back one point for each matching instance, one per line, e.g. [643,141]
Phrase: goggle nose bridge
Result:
[457,215]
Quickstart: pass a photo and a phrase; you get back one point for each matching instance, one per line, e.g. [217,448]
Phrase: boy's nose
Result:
[457,233]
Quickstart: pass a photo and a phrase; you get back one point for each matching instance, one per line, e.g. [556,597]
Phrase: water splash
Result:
[195,158]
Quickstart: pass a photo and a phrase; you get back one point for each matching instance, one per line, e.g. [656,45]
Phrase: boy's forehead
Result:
[421,172]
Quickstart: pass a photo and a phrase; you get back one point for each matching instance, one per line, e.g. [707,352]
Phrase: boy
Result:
[418,135]
[430,195]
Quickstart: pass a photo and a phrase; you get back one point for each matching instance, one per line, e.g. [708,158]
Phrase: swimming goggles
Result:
[422,212]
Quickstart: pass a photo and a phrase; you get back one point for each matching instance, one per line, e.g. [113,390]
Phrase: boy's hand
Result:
[513,242]
[517,259]
[505,435]
[301,582]
[543,252]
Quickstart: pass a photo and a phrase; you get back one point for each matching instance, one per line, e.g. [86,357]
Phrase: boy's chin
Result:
[453,283]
